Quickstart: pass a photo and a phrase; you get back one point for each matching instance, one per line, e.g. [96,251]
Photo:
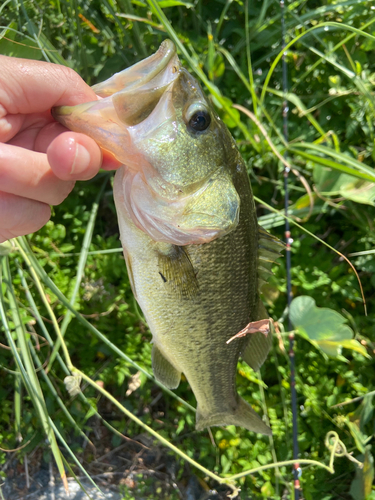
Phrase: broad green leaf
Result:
[366,409]
[228,118]
[299,210]
[92,410]
[219,66]
[332,183]
[323,327]
[357,422]
[267,489]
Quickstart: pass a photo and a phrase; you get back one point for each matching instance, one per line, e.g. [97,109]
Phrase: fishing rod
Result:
[288,240]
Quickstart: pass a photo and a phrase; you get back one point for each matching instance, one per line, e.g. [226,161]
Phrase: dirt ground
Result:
[136,470]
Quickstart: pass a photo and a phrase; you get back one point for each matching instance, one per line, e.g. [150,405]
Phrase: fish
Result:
[196,257]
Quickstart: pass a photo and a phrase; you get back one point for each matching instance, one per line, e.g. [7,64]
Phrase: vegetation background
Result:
[331,144]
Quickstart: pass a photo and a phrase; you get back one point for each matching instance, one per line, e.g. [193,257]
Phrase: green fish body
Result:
[195,255]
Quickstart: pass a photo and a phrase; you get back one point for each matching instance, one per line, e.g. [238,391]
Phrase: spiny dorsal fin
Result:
[176,269]
[269,248]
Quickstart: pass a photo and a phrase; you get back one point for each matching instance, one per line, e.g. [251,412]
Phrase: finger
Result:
[40,140]
[24,133]
[109,161]
[47,135]
[59,158]
[21,216]
[9,125]
[28,174]
[28,86]
[74,156]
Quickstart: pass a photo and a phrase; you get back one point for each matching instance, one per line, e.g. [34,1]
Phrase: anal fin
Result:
[163,370]
[257,345]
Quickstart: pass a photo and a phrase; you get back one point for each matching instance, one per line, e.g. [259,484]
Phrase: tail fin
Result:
[243,416]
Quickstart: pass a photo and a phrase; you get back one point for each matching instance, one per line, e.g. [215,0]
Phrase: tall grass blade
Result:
[81,51]
[59,401]
[37,270]
[74,458]
[37,316]
[67,465]
[127,8]
[17,405]
[26,367]
[319,26]
[331,51]
[80,269]
[294,99]
[248,53]
[65,369]
[221,19]
[343,163]
[197,69]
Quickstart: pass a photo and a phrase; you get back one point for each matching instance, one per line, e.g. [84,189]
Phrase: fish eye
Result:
[198,118]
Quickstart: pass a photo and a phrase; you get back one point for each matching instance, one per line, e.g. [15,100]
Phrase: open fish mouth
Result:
[137,90]
[148,74]
[127,99]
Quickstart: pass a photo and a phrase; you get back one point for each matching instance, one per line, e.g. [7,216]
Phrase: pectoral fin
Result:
[177,270]
[163,370]
[257,345]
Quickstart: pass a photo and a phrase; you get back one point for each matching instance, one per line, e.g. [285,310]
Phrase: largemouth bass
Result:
[195,255]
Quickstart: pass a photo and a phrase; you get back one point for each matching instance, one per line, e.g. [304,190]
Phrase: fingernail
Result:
[81,160]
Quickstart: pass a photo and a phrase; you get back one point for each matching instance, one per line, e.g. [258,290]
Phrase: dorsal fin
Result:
[269,248]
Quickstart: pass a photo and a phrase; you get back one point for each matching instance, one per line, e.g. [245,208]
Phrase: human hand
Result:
[40,160]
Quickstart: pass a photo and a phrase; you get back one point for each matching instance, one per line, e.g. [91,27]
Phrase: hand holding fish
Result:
[40,160]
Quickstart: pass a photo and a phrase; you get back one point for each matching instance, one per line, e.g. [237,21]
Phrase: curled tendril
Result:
[338,449]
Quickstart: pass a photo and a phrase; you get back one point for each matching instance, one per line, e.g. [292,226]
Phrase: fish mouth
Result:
[125,100]
[147,74]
